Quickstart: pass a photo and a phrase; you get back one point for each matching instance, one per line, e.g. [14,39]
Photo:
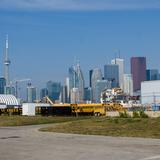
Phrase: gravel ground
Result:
[27,143]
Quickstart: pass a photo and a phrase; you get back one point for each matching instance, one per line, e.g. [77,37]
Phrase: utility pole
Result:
[154,100]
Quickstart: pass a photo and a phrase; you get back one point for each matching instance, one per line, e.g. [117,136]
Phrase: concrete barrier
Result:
[112,114]
[152,114]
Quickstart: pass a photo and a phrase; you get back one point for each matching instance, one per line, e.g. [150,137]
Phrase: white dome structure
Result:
[8,100]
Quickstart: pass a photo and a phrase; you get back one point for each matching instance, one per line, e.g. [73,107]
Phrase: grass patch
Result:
[124,127]
[34,120]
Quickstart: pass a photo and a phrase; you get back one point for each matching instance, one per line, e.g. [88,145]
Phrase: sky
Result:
[46,37]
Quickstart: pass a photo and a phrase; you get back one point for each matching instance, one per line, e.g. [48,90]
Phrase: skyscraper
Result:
[68,88]
[88,94]
[75,95]
[120,63]
[2,85]
[101,85]
[54,90]
[43,93]
[9,90]
[96,75]
[128,84]
[72,77]
[80,82]
[31,94]
[64,97]
[111,73]
[152,74]
[76,80]
[90,77]
[138,71]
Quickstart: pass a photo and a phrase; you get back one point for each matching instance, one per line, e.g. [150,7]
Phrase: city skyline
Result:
[87,79]
[43,44]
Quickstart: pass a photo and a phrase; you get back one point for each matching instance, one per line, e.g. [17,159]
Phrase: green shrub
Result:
[124,115]
[121,114]
[136,114]
[143,114]
[116,121]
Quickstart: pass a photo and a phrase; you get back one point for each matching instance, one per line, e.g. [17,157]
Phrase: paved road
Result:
[27,143]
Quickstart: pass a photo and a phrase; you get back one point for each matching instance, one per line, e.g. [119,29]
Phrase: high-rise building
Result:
[68,88]
[96,75]
[111,73]
[31,94]
[88,94]
[152,74]
[72,77]
[138,71]
[9,90]
[54,90]
[43,93]
[128,84]
[64,97]
[80,84]
[90,77]
[2,85]
[101,85]
[76,80]
[75,96]
[120,63]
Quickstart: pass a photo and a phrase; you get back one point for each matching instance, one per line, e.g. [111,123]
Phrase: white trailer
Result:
[29,109]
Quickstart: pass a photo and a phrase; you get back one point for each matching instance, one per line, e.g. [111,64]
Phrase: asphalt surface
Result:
[27,143]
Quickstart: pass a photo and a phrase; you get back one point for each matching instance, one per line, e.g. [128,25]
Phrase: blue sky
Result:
[45,37]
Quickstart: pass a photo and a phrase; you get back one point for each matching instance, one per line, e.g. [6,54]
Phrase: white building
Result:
[68,88]
[150,92]
[31,94]
[120,63]
[8,101]
[128,84]
[75,95]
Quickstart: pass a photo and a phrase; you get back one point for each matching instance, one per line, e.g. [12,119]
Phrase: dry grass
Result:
[33,120]
[124,127]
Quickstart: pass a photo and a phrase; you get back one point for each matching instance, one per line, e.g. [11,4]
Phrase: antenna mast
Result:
[6,63]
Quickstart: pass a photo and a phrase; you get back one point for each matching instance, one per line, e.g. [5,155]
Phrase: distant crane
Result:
[16,84]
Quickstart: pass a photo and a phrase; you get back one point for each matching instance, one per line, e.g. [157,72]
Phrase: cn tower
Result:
[6,63]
